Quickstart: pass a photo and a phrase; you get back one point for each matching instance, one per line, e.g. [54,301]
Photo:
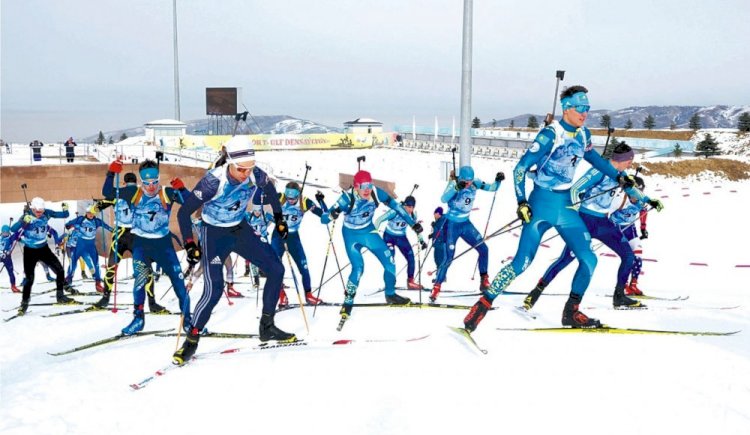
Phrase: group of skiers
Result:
[603,204]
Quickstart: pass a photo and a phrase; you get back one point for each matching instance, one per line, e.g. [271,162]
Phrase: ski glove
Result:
[319,196]
[176,183]
[28,218]
[115,167]
[524,212]
[644,234]
[626,181]
[417,227]
[65,206]
[461,184]
[335,213]
[500,176]
[193,252]
[655,203]
[423,244]
[2,255]
[281,227]
[325,219]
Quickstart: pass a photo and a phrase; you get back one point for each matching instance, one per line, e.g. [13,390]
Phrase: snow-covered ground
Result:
[528,382]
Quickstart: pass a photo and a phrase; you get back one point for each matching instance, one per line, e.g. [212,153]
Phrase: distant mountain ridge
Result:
[271,124]
[710,116]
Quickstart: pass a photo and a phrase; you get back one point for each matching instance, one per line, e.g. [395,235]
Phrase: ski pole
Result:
[559,75]
[360,159]
[494,195]
[116,238]
[296,288]
[502,230]
[325,263]
[304,179]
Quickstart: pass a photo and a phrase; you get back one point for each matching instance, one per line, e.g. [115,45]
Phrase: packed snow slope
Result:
[526,383]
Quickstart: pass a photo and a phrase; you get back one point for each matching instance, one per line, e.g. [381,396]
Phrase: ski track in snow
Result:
[537,383]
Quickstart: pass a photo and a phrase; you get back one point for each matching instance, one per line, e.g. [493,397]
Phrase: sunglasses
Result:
[150,183]
[582,108]
[365,186]
[243,169]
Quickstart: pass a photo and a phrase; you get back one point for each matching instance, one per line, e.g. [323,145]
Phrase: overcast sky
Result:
[75,67]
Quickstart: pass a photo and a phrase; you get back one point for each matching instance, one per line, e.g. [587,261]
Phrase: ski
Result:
[667,308]
[112,339]
[260,347]
[656,298]
[379,340]
[468,338]
[88,309]
[15,316]
[523,312]
[605,329]
[387,305]
[213,335]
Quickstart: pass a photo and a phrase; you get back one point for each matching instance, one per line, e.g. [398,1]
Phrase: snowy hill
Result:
[711,116]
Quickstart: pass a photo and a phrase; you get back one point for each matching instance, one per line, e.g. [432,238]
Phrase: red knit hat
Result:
[362,177]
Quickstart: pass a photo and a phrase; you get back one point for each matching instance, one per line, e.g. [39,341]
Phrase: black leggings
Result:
[31,256]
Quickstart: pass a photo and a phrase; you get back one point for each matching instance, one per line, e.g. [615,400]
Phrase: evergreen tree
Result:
[629,124]
[677,150]
[100,139]
[512,124]
[743,124]
[532,123]
[494,123]
[123,136]
[110,141]
[695,122]
[476,123]
[606,121]
[707,147]
[649,122]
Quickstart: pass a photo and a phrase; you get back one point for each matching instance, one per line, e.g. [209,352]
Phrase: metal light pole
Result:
[465,141]
[176,64]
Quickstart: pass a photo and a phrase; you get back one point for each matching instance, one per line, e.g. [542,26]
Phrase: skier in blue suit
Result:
[599,196]
[358,207]
[395,237]
[87,225]
[460,195]
[556,152]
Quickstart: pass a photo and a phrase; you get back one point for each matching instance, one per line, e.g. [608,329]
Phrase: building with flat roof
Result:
[363,125]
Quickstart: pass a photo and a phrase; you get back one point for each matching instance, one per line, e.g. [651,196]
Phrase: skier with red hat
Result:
[358,207]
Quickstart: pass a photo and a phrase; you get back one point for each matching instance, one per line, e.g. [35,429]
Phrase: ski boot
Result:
[231,292]
[155,308]
[83,275]
[256,282]
[396,299]
[477,313]
[632,289]
[24,306]
[435,292]
[70,289]
[620,301]
[64,300]
[102,303]
[572,317]
[14,289]
[247,270]
[485,284]
[99,287]
[311,299]
[269,331]
[533,296]
[413,285]
[189,346]
[283,301]
[49,278]
[137,324]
